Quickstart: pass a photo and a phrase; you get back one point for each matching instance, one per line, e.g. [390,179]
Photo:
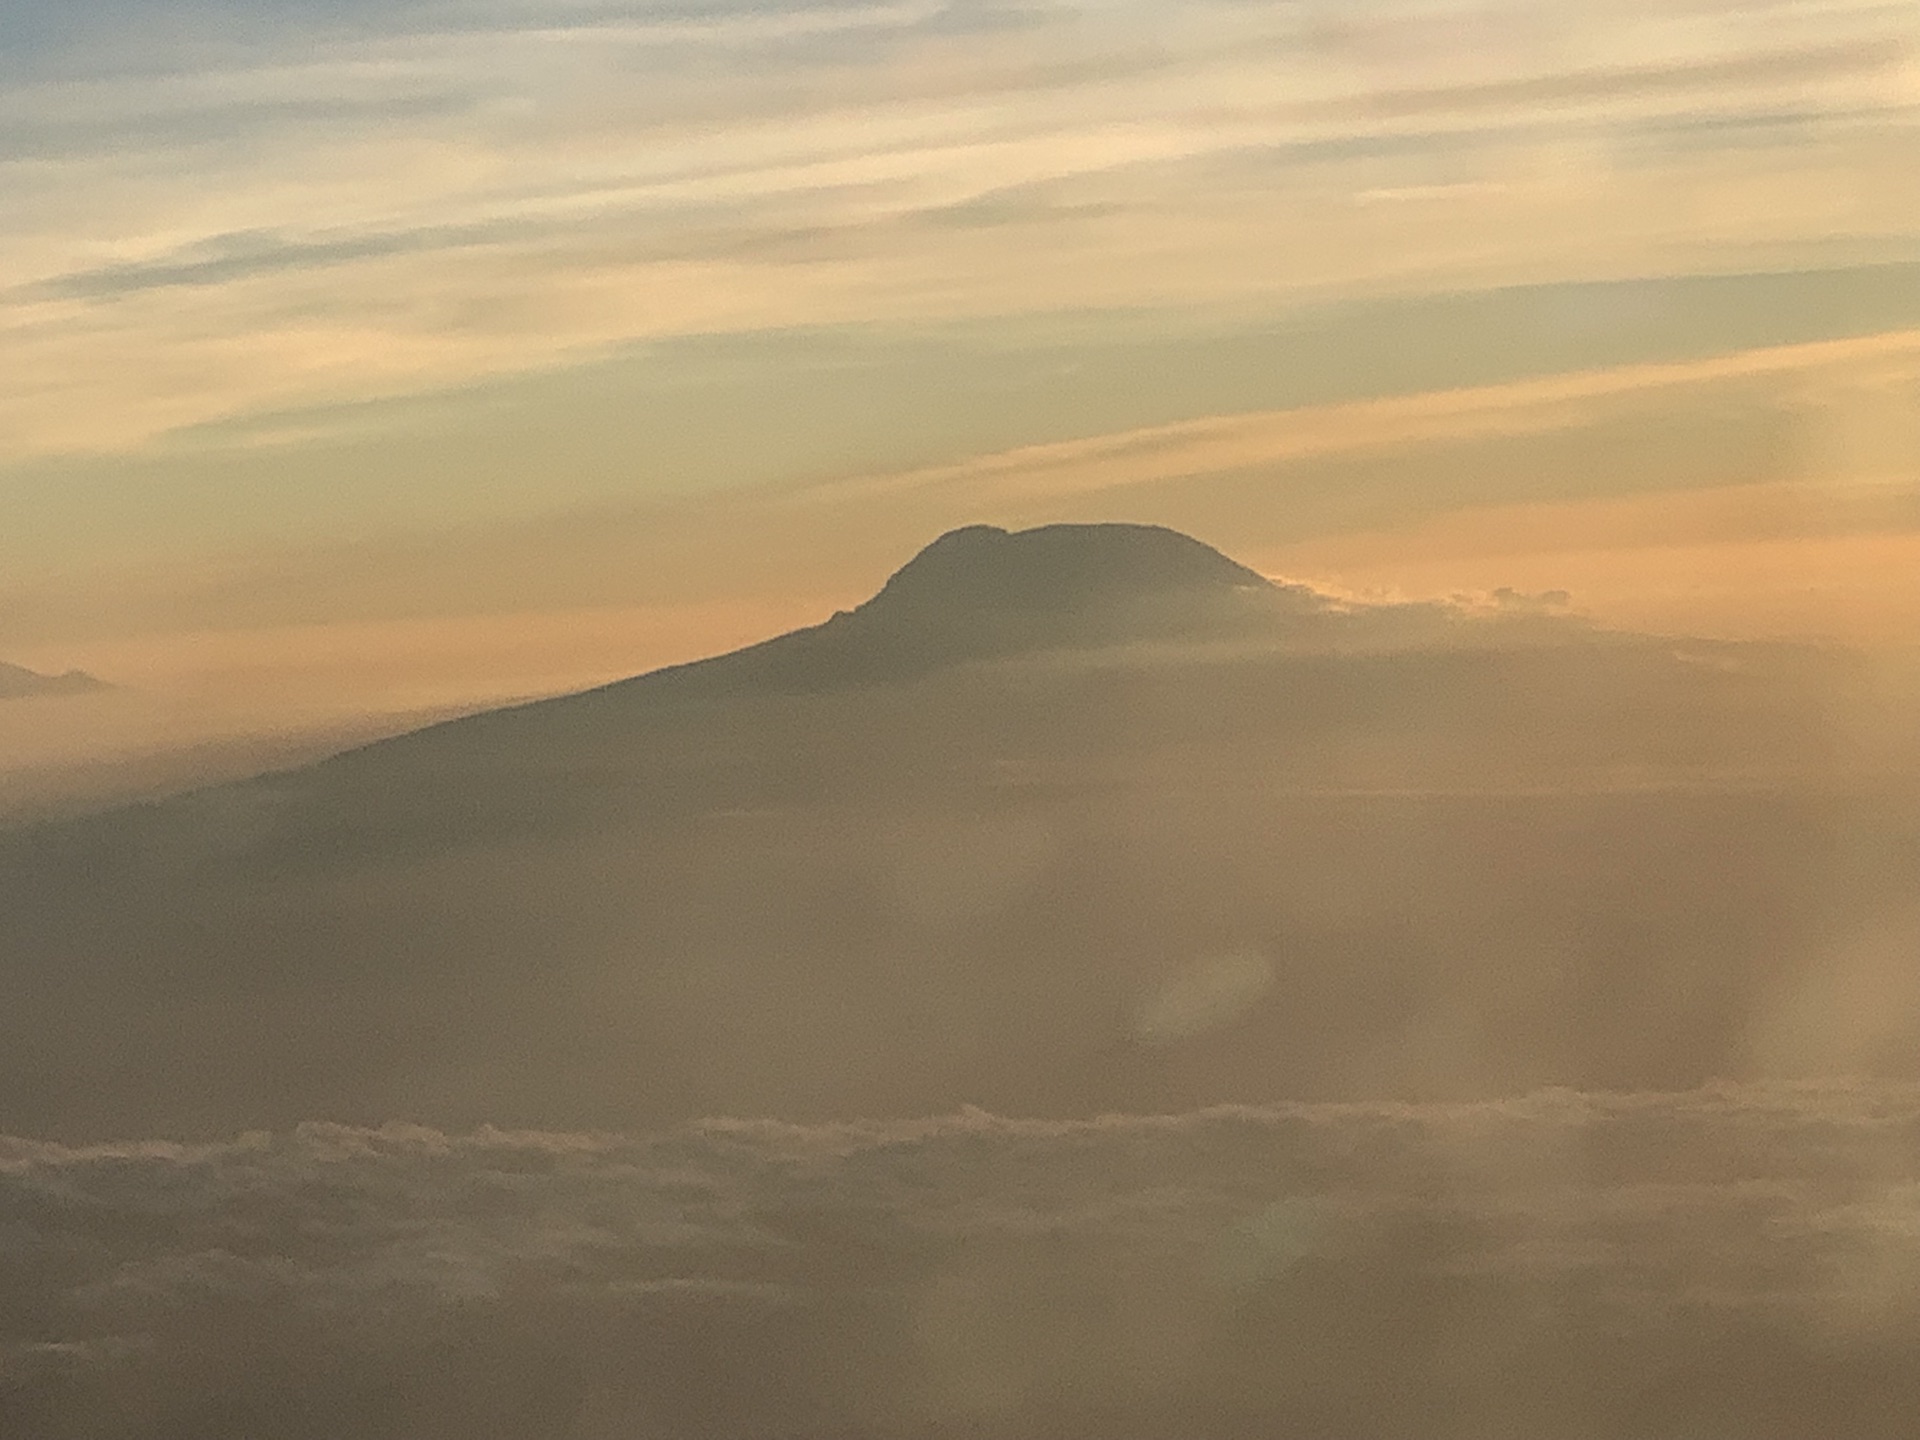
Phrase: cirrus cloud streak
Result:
[337,206]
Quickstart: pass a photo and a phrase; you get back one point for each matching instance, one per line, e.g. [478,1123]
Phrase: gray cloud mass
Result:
[1731,1261]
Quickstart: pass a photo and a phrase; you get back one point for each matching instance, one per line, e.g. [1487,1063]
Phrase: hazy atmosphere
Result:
[1027,720]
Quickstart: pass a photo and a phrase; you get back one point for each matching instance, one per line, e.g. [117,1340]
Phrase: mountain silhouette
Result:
[981,592]
[1060,821]
[17,682]
[978,593]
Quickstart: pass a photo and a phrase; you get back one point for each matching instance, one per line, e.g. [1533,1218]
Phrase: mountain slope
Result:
[1070,820]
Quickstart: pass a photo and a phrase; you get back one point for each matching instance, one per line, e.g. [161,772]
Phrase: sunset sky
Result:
[356,358]
[1465,988]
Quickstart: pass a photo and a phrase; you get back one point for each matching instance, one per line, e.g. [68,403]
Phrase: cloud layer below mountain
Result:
[1732,1261]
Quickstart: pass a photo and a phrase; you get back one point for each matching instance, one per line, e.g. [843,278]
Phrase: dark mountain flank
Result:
[1062,821]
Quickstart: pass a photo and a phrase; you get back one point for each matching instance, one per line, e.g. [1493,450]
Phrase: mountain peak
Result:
[976,593]
[1055,569]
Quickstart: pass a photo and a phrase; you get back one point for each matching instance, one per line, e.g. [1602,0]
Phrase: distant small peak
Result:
[17,681]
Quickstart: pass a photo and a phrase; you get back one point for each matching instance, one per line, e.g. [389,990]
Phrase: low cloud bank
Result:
[1733,1261]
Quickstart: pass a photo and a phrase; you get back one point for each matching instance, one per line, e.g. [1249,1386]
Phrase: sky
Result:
[369,362]
[358,360]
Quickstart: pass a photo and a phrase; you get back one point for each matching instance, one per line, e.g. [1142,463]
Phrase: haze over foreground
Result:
[1070,821]
[1082,825]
